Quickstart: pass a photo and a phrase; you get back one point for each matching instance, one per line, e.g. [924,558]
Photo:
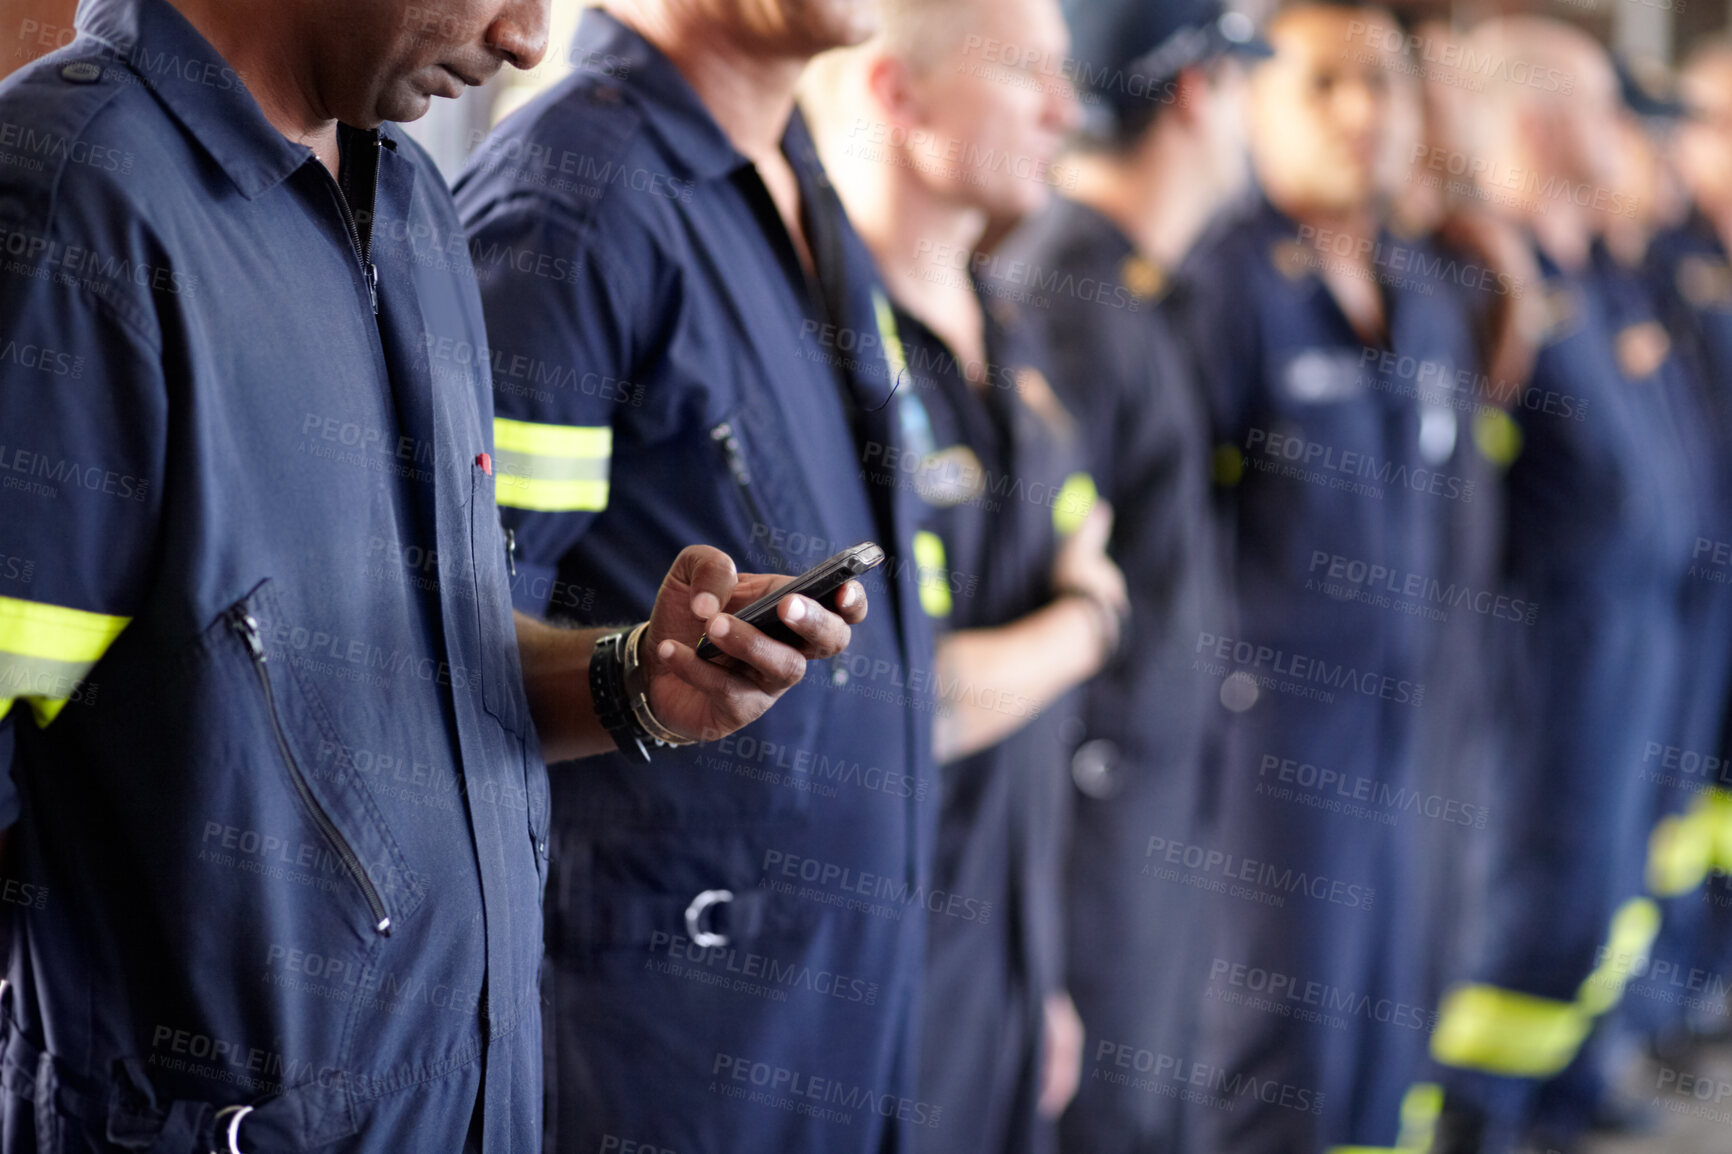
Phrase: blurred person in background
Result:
[1686,270]
[1163,148]
[1665,375]
[1465,724]
[1600,516]
[949,118]
[691,343]
[1318,331]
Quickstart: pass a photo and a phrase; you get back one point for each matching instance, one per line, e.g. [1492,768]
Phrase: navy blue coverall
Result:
[280,812]
[1125,372]
[1685,285]
[1600,524]
[1334,458]
[736,930]
[999,474]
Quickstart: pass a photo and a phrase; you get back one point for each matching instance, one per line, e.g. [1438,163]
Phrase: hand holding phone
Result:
[819,582]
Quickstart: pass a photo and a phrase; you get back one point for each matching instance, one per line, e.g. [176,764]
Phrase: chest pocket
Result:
[489,550]
[786,532]
[301,737]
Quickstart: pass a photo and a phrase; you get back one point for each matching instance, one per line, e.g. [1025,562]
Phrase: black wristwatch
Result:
[612,705]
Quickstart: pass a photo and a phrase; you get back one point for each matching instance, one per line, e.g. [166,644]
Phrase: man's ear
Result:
[893,92]
[1538,129]
[1191,94]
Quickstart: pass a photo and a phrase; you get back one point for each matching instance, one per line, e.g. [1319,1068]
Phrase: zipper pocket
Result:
[724,436]
[729,442]
[247,626]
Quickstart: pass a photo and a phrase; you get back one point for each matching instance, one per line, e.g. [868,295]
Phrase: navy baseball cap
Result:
[1646,95]
[1127,52]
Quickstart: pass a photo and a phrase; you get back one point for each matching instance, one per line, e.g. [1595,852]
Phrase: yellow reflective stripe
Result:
[545,496]
[35,629]
[1716,820]
[46,709]
[1226,465]
[1076,500]
[1683,848]
[1634,928]
[583,442]
[934,578]
[46,651]
[893,353]
[1679,851]
[550,463]
[1506,1032]
[1520,1035]
[1497,436]
[1420,1108]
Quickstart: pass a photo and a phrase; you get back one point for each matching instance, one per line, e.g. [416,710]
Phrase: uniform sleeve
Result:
[1159,485]
[1212,319]
[82,429]
[562,327]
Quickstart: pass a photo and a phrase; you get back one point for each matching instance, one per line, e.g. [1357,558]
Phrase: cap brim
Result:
[1657,109]
[1255,48]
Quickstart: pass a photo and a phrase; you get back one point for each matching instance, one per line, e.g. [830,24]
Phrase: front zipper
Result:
[369,274]
[247,626]
[363,252]
[724,436]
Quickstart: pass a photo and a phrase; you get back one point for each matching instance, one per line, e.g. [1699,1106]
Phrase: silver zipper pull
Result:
[248,627]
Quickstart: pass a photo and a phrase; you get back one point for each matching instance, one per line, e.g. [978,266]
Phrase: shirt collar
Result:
[197,86]
[694,141]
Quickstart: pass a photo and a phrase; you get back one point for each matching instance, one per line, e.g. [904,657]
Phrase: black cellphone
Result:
[818,583]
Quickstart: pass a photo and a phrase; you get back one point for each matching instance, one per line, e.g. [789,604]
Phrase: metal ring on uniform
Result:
[232,1138]
[702,938]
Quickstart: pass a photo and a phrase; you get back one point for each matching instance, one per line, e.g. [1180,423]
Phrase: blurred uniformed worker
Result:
[690,342]
[950,118]
[1162,148]
[1465,725]
[1600,516]
[1685,270]
[272,771]
[1665,377]
[1324,339]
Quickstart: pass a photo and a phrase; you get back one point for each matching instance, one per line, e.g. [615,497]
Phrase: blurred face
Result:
[1705,140]
[992,122]
[387,59]
[796,28]
[1582,128]
[1223,120]
[1320,109]
[1404,132]
[1636,175]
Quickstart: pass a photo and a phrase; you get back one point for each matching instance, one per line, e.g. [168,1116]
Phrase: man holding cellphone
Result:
[274,781]
[694,345]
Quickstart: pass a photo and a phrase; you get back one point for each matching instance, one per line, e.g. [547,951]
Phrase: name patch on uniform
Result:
[1143,277]
[1317,376]
[1705,281]
[950,476]
[1291,259]
[1558,314]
